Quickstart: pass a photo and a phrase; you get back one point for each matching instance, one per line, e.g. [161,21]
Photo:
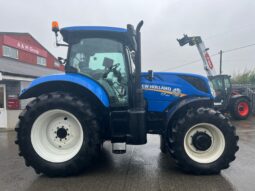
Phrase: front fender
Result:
[178,107]
[46,84]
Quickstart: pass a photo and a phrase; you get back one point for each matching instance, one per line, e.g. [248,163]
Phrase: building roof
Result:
[14,67]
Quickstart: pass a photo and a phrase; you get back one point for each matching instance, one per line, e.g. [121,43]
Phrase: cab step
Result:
[119,148]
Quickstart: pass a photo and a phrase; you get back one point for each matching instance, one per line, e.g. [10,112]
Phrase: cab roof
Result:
[94,28]
[75,33]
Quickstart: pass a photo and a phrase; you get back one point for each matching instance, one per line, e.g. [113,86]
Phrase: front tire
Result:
[203,142]
[58,134]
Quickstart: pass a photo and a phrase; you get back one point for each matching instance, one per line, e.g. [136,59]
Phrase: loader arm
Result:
[207,62]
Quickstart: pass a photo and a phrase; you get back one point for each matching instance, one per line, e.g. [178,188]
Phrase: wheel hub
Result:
[201,141]
[62,133]
[243,109]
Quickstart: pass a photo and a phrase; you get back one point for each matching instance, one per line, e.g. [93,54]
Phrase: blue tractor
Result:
[104,96]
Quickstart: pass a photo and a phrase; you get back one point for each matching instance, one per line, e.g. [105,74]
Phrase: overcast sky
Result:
[222,24]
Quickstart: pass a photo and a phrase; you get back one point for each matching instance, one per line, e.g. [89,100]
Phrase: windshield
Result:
[217,84]
[222,88]
[104,61]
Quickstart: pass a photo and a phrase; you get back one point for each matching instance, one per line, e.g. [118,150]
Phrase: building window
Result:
[41,61]
[10,52]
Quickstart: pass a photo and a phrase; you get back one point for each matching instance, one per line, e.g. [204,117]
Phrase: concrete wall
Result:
[12,118]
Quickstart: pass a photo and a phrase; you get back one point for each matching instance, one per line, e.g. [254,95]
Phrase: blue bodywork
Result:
[79,79]
[168,88]
[70,34]
[164,90]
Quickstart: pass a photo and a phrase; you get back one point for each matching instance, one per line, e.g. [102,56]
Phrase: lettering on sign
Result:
[9,41]
[27,48]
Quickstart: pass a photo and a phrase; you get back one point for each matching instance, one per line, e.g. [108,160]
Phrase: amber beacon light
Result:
[54,26]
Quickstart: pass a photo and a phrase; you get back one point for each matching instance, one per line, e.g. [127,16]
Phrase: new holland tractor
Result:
[103,96]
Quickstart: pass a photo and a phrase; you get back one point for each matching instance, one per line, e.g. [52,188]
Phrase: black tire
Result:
[163,148]
[184,124]
[82,110]
[235,111]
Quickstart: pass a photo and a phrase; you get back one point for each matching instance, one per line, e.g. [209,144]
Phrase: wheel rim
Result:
[213,152]
[243,109]
[57,135]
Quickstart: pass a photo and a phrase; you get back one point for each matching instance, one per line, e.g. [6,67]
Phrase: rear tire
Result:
[58,134]
[202,142]
[240,109]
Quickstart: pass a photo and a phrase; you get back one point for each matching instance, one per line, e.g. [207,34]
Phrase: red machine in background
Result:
[226,100]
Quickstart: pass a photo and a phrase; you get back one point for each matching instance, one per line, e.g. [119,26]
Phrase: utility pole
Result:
[221,61]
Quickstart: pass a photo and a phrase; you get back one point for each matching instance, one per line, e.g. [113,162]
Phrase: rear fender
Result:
[238,96]
[73,83]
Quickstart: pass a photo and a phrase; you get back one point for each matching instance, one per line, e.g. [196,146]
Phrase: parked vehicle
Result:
[104,96]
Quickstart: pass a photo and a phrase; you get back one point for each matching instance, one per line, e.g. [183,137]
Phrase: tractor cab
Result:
[104,55]
[222,88]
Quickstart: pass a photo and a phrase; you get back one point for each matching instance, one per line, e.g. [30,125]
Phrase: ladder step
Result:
[119,148]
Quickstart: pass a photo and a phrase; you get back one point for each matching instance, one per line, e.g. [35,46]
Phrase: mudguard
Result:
[40,85]
[238,96]
[196,101]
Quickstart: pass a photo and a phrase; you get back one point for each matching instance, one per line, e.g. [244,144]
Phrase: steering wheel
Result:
[112,68]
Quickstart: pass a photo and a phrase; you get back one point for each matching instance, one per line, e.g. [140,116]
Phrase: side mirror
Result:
[150,75]
[61,60]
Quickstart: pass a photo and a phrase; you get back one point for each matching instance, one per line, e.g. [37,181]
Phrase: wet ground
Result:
[141,168]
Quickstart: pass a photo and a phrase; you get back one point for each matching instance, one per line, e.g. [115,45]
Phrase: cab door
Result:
[3,112]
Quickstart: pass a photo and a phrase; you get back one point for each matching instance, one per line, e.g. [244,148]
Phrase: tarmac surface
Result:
[141,168]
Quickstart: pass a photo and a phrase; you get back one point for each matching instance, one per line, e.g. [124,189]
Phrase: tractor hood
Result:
[167,88]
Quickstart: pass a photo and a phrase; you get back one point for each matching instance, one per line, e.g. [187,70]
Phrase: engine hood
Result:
[166,87]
